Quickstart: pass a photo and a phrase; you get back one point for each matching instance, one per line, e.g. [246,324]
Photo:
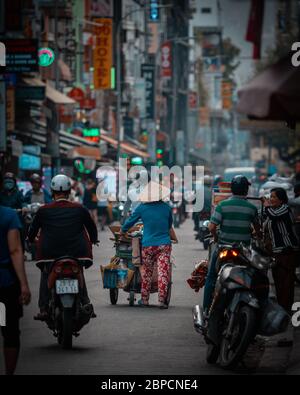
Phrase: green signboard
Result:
[91,132]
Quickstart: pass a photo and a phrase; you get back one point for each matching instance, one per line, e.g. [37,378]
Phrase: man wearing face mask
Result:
[10,196]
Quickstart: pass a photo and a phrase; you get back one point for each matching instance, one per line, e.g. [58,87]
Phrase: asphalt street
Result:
[123,339]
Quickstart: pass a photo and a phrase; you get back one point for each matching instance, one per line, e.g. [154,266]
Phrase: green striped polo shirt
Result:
[235,216]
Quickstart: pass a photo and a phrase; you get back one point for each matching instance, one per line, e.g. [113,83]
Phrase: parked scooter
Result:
[66,313]
[241,308]
[203,232]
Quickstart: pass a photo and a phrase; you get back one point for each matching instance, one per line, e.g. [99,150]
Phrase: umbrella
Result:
[274,94]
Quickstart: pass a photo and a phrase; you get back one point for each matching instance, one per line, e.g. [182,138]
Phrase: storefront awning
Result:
[274,94]
[125,147]
[57,97]
[85,152]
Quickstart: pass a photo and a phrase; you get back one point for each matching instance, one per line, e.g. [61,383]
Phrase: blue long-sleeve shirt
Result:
[157,220]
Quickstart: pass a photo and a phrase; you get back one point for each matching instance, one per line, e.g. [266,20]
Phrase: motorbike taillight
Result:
[228,254]
[75,269]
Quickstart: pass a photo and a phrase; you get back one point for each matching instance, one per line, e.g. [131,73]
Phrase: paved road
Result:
[123,339]
[132,340]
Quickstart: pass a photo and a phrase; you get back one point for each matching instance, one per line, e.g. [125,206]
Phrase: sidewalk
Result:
[265,357]
[282,360]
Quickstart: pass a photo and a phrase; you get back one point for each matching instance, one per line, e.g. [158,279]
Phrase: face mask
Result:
[9,185]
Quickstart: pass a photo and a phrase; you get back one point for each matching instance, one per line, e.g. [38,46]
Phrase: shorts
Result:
[9,296]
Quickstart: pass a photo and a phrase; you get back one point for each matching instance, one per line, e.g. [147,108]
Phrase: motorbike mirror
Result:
[205,224]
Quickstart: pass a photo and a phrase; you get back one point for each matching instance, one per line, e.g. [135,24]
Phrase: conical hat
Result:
[154,192]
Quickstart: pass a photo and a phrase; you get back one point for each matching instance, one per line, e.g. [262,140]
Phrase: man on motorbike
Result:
[235,217]
[65,229]
[10,196]
[37,194]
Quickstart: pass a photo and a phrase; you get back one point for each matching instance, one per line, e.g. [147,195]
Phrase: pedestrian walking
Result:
[156,216]
[90,200]
[14,289]
[284,245]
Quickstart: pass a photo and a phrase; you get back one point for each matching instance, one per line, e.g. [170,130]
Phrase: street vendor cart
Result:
[124,271]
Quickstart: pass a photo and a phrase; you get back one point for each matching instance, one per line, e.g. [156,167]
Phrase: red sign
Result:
[77,94]
[88,103]
[166,60]
[193,100]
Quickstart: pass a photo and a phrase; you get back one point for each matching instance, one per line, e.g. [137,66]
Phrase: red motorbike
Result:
[66,314]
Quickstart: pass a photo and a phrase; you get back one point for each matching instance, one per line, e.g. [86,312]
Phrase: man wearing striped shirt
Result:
[235,217]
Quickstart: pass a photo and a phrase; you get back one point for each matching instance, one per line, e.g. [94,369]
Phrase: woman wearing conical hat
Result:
[156,216]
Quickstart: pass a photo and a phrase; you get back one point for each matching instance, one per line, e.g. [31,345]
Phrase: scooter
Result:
[241,307]
[66,313]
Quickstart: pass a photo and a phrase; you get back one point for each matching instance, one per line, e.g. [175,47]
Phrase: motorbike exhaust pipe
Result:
[198,319]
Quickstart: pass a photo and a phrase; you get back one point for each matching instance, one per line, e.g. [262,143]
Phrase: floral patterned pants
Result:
[152,256]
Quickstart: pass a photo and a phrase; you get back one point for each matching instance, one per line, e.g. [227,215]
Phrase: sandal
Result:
[142,304]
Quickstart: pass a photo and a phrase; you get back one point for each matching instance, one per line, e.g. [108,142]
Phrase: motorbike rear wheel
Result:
[233,350]
[67,329]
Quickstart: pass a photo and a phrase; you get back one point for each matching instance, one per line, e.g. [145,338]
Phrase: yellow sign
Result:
[227,95]
[103,53]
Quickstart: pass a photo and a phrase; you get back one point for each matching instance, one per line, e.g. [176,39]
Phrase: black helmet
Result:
[35,178]
[240,185]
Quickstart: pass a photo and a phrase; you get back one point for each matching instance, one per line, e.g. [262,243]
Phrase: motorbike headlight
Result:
[121,208]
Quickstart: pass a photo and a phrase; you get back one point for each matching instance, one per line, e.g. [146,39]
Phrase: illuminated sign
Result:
[91,132]
[137,161]
[21,55]
[46,57]
[154,11]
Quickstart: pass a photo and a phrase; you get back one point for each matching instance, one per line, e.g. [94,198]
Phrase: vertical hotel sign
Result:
[103,53]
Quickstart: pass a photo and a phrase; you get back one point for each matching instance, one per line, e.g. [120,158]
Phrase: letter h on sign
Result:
[2,55]
[2,315]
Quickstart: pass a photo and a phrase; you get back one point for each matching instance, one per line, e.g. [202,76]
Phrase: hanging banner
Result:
[10,109]
[140,95]
[2,117]
[148,75]
[103,53]
[99,8]
[227,95]
[166,60]
[193,100]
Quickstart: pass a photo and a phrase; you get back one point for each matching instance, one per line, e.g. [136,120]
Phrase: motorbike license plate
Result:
[64,287]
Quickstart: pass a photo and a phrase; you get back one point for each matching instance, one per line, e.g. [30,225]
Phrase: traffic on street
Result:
[149,190]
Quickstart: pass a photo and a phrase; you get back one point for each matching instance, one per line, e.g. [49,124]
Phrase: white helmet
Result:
[61,183]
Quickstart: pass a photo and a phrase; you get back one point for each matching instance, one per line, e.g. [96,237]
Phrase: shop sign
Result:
[103,53]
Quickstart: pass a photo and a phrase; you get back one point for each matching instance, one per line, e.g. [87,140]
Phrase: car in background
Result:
[249,172]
